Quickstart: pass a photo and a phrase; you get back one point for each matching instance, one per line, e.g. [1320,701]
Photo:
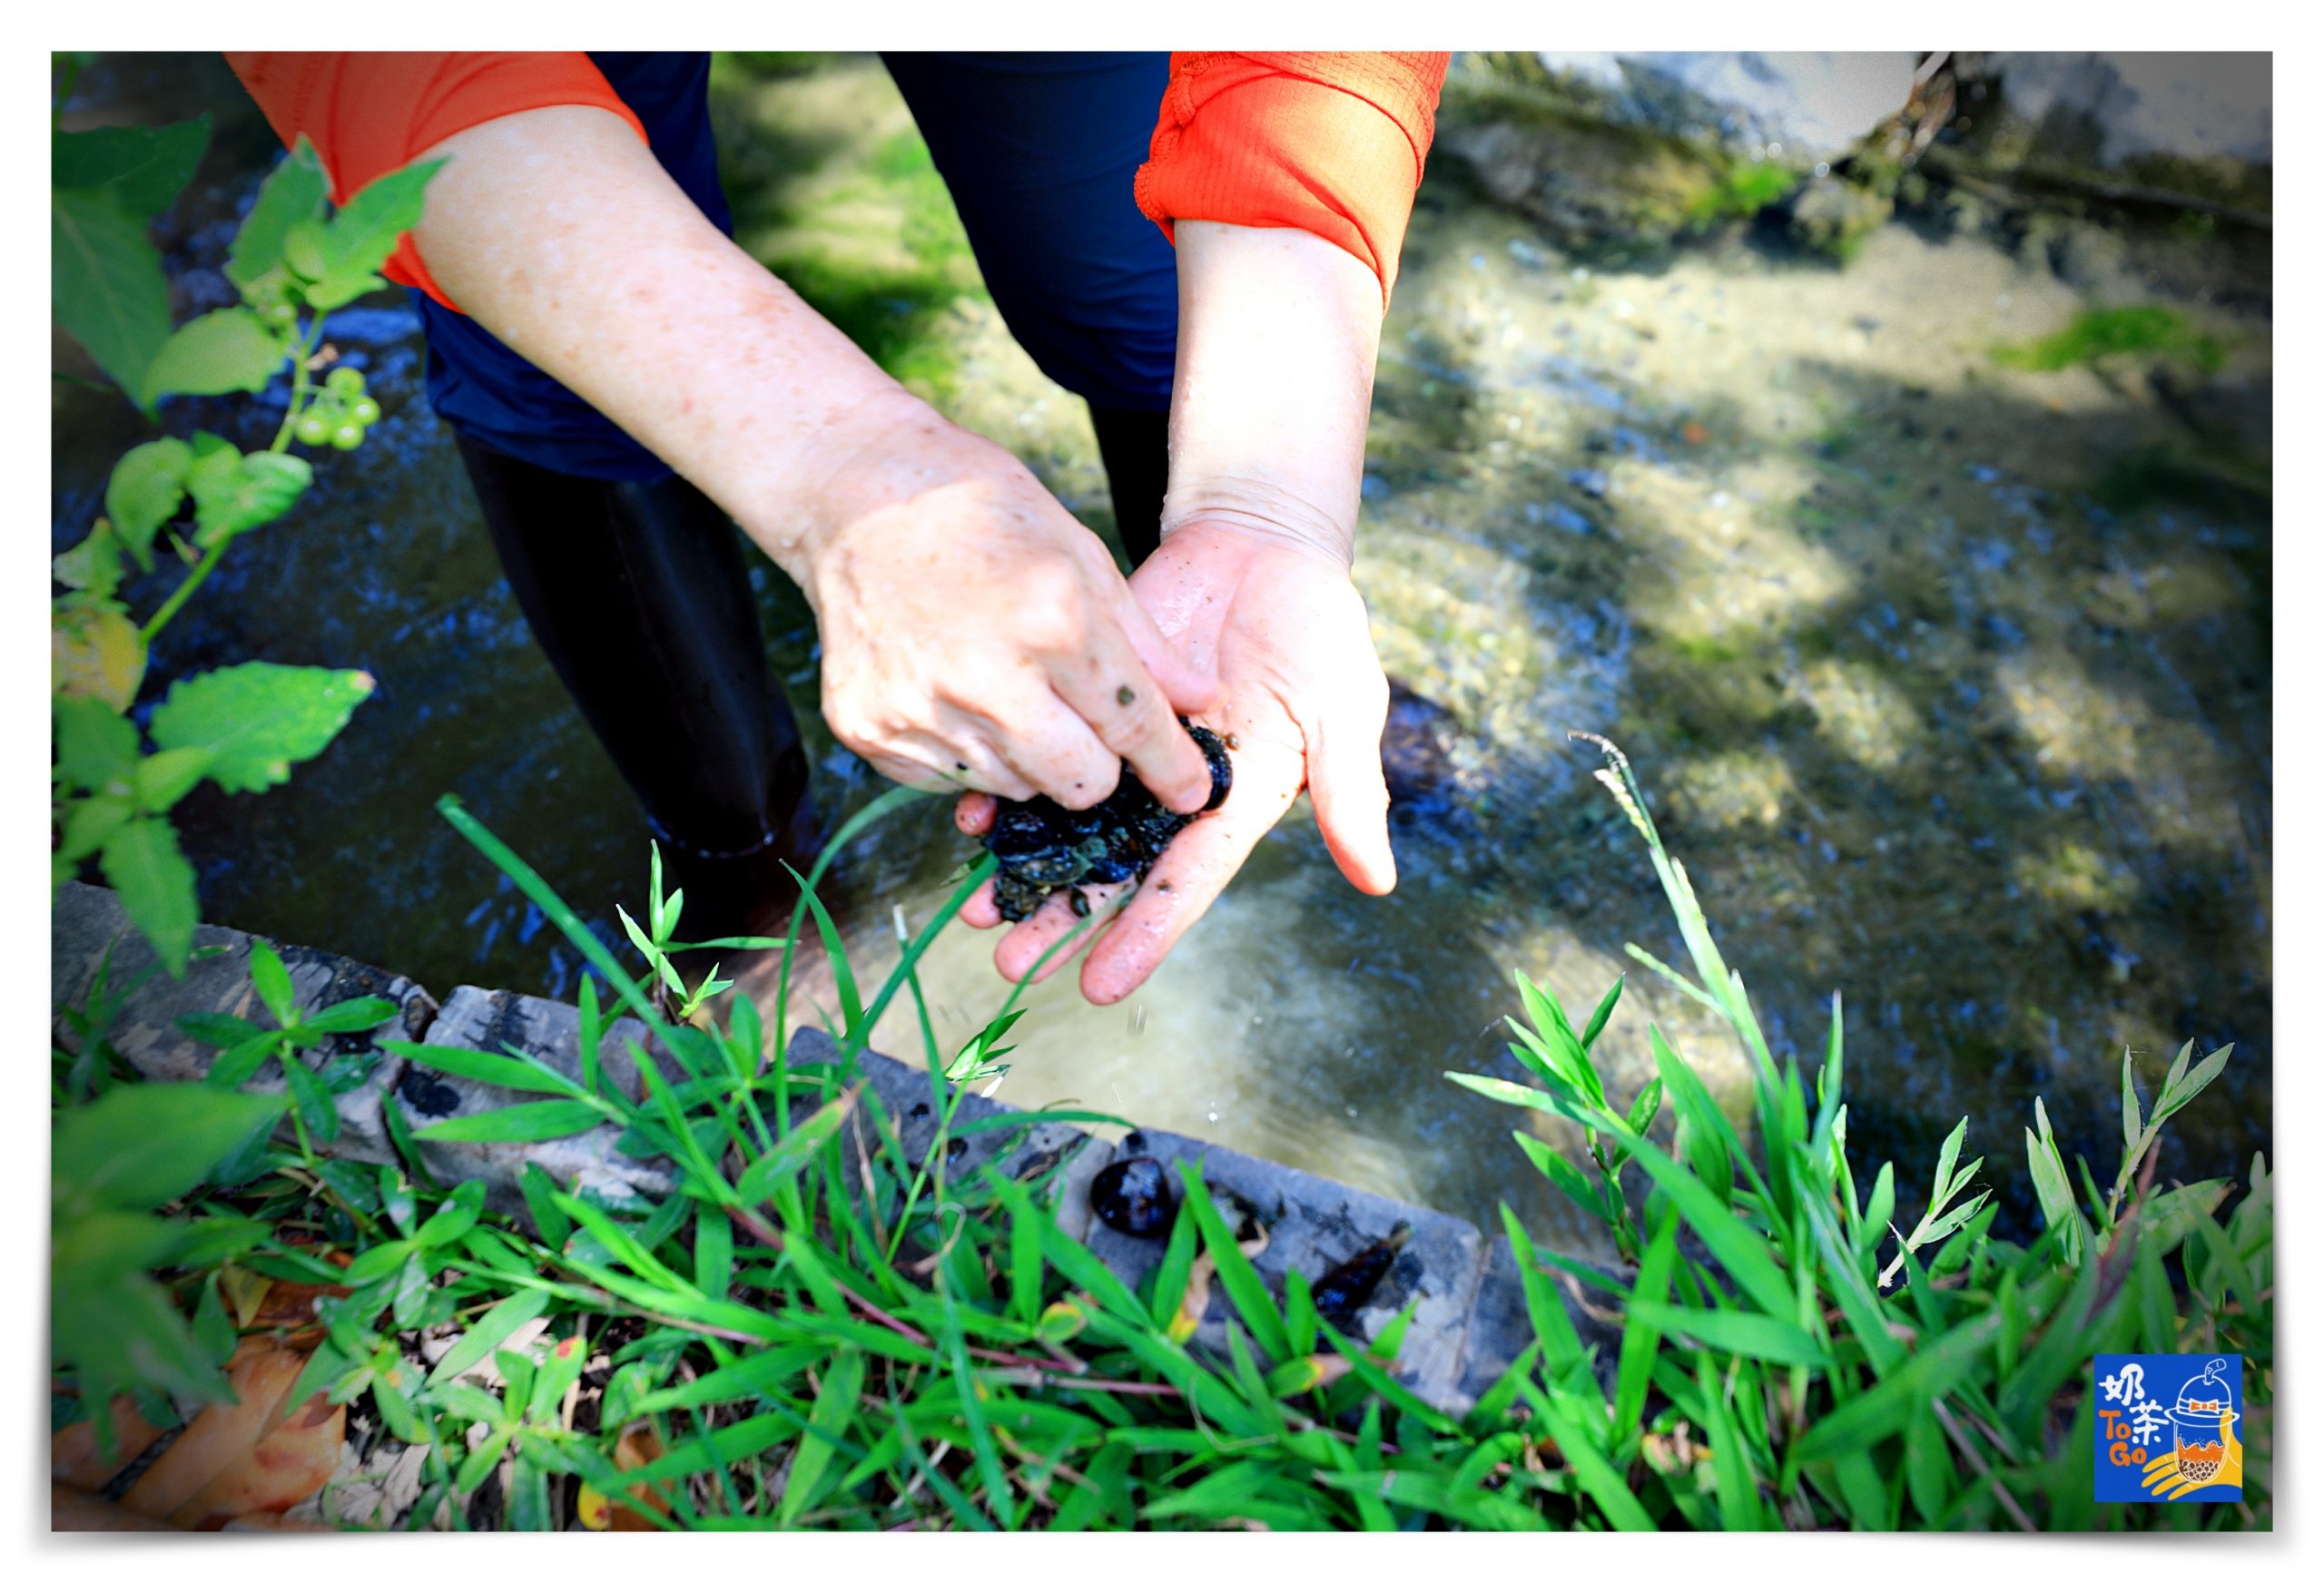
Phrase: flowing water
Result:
[1949,682]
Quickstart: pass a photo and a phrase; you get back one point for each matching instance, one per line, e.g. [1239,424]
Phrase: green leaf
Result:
[124,1328]
[1600,1018]
[1563,1173]
[95,652]
[293,191]
[96,746]
[364,1011]
[551,1118]
[162,777]
[139,169]
[259,719]
[1641,1338]
[105,287]
[1742,1249]
[1244,1288]
[1731,1330]
[229,350]
[233,493]
[479,1066]
[827,1424]
[143,865]
[2183,1091]
[792,1152]
[316,1111]
[455,1218]
[92,566]
[272,981]
[364,230]
[145,1144]
[145,490]
[2133,1125]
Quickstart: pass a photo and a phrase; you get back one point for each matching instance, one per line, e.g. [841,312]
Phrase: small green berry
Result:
[365,411]
[281,315]
[313,430]
[346,436]
[345,381]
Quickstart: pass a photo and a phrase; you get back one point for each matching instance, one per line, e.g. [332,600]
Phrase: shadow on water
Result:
[1949,684]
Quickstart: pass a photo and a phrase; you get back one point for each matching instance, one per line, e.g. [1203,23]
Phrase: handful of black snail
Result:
[1043,846]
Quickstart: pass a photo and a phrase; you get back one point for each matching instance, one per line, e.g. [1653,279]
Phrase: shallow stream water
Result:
[1949,682]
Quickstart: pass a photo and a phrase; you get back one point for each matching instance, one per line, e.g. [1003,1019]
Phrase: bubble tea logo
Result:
[2166,1427]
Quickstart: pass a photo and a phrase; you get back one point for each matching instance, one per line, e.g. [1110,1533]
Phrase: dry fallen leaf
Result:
[296,1459]
[73,1455]
[233,1458]
[72,1510]
[638,1445]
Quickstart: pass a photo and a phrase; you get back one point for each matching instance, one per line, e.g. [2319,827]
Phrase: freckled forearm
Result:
[1278,337]
[557,230]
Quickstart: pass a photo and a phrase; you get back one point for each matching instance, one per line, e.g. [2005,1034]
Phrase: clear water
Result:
[1951,685]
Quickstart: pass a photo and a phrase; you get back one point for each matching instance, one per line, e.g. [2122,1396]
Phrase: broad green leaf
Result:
[364,231]
[294,190]
[96,746]
[106,285]
[233,493]
[89,824]
[226,350]
[143,865]
[145,1144]
[125,1330]
[114,1241]
[164,778]
[139,169]
[95,652]
[259,719]
[92,566]
[550,1119]
[144,491]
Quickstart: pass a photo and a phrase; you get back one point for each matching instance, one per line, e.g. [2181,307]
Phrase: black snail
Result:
[1043,846]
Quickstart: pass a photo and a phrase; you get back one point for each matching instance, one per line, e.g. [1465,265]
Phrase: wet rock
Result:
[1500,1327]
[1813,103]
[1056,1156]
[1417,756]
[1833,216]
[1317,1226]
[550,1031]
[1134,1196]
[91,928]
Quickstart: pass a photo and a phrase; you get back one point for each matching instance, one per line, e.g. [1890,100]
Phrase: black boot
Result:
[640,596]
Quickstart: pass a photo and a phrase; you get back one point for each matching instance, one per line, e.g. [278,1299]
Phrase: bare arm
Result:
[918,544]
[1278,333]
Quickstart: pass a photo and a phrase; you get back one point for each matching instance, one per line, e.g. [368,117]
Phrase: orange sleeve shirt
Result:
[1329,143]
[373,111]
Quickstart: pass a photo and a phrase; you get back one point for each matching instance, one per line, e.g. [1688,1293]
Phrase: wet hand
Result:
[1303,701]
[976,635]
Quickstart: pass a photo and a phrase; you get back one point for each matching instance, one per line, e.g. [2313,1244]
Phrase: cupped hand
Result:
[1303,703]
[975,635]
